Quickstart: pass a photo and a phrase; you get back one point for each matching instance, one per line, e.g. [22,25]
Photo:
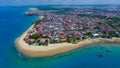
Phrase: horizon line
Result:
[67,5]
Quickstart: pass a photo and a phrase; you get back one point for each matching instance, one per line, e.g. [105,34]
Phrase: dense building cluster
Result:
[73,24]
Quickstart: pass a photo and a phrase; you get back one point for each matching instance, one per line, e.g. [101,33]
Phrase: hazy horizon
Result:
[57,2]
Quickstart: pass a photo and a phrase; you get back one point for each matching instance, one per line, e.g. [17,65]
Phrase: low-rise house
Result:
[63,40]
[95,35]
[76,34]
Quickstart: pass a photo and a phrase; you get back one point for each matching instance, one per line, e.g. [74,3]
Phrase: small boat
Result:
[101,55]
[108,50]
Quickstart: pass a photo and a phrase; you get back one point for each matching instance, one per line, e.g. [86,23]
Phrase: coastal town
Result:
[73,24]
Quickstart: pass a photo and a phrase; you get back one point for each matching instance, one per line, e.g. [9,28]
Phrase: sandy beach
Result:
[53,49]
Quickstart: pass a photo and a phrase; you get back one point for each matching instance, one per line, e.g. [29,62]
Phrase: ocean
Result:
[13,23]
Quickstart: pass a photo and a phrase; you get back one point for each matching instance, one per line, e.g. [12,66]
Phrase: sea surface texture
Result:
[13,23]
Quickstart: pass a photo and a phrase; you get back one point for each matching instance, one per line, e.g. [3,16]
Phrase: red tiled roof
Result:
[42,40]
[76,32]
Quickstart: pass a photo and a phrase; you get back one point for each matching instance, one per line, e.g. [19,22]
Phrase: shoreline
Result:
[54,49]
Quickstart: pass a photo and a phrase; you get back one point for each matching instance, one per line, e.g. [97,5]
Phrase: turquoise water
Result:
[13,23]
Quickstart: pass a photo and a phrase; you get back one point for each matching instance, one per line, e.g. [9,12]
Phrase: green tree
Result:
[34,36]
[68,39]
[46,42]
[97,27]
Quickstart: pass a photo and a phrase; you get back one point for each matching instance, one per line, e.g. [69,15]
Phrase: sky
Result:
[56,2]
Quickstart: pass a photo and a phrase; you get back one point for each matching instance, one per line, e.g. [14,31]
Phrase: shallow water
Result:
[13,23]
